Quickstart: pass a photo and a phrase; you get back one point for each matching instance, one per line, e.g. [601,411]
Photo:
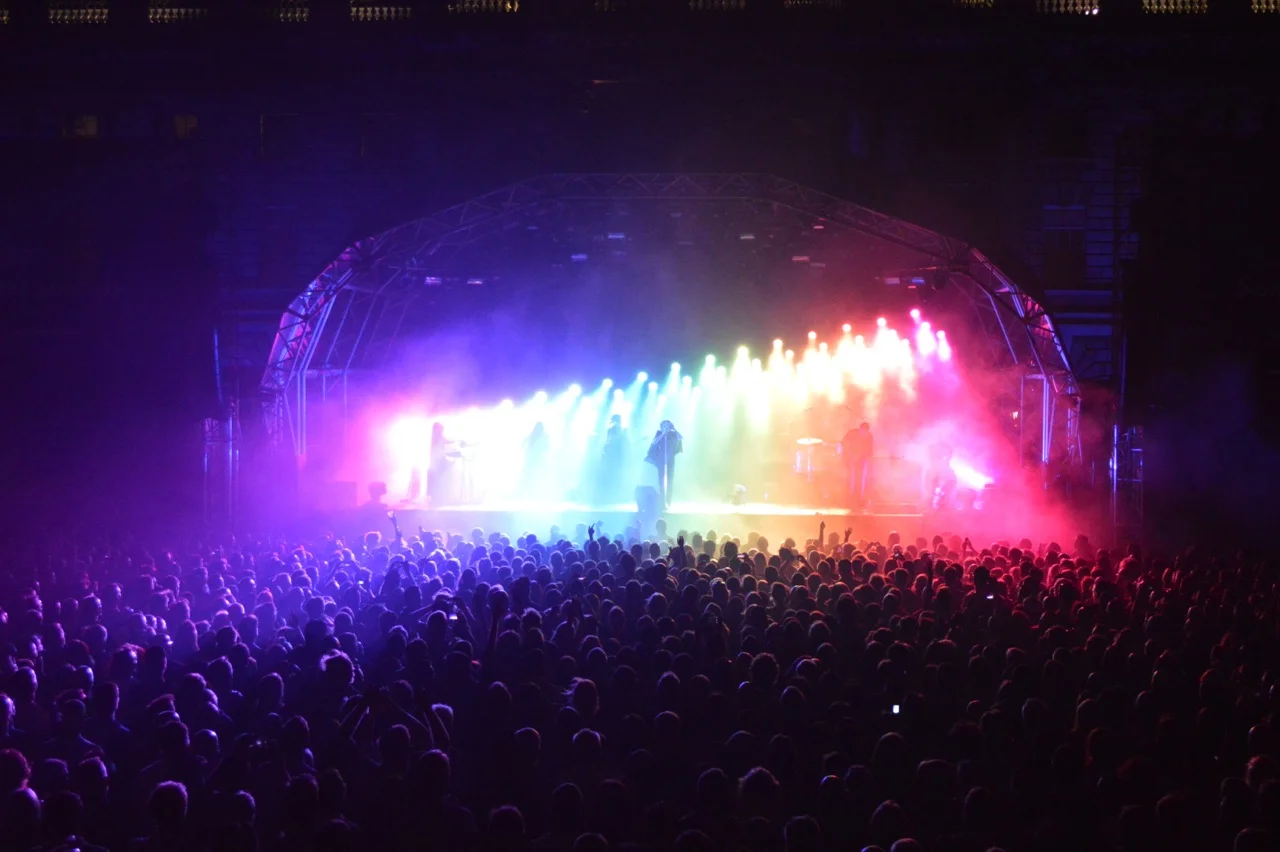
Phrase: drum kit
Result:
[819,466]
[460,455]
[811,456]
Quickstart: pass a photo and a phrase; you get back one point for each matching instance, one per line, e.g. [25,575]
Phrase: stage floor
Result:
[677,508]
[774,521]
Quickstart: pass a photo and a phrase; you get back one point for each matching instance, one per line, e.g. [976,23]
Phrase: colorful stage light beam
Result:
[969,476]
[926,343]
[725,402]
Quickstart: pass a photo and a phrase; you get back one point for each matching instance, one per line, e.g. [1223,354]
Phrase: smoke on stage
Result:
[764,427]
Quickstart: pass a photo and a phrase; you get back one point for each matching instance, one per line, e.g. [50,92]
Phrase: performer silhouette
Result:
[666,445]
[857,447]
[613,462]
[438,466]
[537,457]
[942,479]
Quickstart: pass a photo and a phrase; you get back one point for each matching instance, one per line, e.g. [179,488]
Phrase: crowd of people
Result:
[584,692]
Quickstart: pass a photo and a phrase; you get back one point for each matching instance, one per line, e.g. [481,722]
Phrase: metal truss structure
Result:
[1127,510]
[364,294]
[220,465]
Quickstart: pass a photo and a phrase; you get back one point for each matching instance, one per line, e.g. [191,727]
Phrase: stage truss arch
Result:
[370,284]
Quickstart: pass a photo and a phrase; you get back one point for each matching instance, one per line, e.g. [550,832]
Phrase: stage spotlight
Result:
[925,341]
[575,389]
[846,328]
[915,314]
[813,335]
[777,344]
[540,396]
[711,360]
[606,384]
[642,376]
[617,393]
[882,322]
[675,367]
[790,355]
[506,403]
[653,386]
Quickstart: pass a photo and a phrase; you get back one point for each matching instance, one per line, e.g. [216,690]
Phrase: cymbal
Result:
[809,442]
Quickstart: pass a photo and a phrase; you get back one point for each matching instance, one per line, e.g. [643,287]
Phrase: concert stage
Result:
[776,522]
[449,384]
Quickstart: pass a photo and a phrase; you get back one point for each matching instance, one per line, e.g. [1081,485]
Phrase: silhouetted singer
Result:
[664,448]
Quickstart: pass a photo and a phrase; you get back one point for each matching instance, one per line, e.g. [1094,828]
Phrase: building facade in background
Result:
[212,157]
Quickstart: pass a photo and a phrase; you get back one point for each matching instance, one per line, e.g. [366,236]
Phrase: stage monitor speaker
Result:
[648,501]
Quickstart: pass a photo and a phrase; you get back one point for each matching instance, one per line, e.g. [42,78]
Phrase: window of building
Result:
[473,6]
[1068,7]
[82,127]
[291,11]
[79,12]
[1061,184]
[280,137]
[813,4]
[175,11]
[1175,7]
[1266,5]
[717,5]
[364,12]
[1064,259]
[184,126]
[974,4]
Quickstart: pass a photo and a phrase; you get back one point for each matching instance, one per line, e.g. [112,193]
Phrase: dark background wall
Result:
[162,180]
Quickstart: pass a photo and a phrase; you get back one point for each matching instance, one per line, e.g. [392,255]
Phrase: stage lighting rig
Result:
[927,279]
